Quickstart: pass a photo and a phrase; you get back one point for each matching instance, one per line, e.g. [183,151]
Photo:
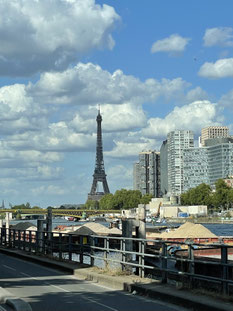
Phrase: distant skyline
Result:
[152,66]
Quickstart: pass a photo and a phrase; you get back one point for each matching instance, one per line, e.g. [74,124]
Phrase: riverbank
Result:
[200,220]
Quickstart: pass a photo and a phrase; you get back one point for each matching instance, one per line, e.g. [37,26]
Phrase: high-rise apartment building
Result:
[213,132]
[163,169]
[147,173]
[136,176]
[177,141]
[208,164]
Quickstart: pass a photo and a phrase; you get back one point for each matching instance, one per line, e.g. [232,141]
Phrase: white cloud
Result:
[18,112]
[227,99]
[124,149]
[188,117]
[222,68]
[196,94]
[40,35]
[89,84]
[174,43]
[48,190]
[219,36]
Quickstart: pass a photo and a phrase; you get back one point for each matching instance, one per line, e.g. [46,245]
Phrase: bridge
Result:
[77,213]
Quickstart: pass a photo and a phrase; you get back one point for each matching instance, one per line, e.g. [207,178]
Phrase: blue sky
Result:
[152,66]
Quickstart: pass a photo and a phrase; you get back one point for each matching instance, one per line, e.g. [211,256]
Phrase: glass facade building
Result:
[195,161]
[177,141]
[208,164]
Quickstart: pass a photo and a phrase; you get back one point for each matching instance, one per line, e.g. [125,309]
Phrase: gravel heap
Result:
[189,230]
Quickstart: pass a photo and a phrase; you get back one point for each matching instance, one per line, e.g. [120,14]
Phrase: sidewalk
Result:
[147,287]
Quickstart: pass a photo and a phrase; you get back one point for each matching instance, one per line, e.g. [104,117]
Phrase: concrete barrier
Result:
[15,303]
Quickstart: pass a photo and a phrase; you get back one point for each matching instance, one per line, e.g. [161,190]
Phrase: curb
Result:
[16,303]
[182,298]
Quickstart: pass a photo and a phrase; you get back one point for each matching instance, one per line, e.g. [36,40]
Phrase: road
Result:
[47,289]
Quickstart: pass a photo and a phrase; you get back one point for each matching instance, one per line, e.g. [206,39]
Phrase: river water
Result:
[218,229]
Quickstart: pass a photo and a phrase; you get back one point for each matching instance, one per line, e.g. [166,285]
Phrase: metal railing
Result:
[168,260]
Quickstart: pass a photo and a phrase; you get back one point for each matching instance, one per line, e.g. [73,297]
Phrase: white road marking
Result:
[68,291]
[98,303]
[9,268]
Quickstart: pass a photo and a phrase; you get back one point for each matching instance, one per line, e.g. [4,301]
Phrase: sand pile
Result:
[96,228]
[188,230]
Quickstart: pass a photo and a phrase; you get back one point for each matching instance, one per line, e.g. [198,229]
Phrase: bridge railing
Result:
[194,265]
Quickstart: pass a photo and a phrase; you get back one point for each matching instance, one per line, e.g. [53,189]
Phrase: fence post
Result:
[44,244]
[13,238]
[24,239]
[10,239]
[1,235]
[60,246]
[164,263]
[224,261]
[30,242]
[51,243]
[81,250]
[19,239]
[70,247]
[92,244]
[123,257]
[141,258]
[106,251]
[191,264]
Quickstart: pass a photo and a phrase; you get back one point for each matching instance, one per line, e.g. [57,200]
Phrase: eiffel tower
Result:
[99,172]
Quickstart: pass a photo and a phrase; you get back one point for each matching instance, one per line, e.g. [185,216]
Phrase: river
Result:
[218,229]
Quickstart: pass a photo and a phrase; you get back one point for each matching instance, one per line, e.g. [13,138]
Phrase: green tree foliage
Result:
[21,206]
[220,198]
[91,204]
[106,202]
[201,195]
[124,199]
[146,198]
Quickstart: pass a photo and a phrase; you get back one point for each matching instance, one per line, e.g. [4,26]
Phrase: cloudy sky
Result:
[153,66]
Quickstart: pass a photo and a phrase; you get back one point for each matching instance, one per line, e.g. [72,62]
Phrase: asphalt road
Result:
[47,289]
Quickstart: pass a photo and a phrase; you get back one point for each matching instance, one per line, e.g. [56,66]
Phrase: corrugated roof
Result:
[23,225]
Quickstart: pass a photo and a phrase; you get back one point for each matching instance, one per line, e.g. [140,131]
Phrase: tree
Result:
[21,206]
[122,199]
[146,198]
[106,202]
[222,197]
[200,195]
[126,199]
[91,204]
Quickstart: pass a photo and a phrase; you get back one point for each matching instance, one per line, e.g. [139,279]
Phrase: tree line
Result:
[121,199]
[221,198]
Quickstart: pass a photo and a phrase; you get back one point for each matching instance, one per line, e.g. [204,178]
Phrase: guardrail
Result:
[168,260]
